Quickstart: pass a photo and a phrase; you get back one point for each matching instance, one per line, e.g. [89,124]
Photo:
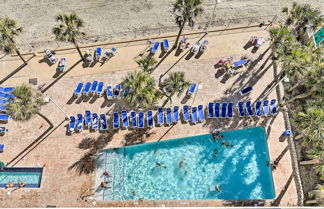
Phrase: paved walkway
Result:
[62,185]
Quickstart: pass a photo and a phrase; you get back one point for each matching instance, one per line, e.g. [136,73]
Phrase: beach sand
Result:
[118,19]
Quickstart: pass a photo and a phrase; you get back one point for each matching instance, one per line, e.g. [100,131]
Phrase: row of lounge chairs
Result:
[156,45]
[225,110]
[6,96]
[89,121]
[97,88]
[132,119]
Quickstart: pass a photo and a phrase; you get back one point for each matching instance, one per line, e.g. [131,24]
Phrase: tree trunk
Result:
[296,85]
[300,96]
[77,47]
[310,162]
[300,136]
[179,34]
[21,57]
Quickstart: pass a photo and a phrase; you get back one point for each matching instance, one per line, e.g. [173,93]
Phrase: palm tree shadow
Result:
[137,136]
[178,52]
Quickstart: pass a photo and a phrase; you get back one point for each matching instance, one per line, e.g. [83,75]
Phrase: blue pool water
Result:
[190,168]
[30,176]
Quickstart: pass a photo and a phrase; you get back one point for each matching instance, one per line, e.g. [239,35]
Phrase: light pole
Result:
[47,99]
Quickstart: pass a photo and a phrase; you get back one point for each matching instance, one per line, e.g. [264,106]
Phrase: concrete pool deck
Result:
[36,143]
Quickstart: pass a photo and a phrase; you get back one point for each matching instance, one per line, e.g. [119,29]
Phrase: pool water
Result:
[30,176]
[319,36]
[190,168]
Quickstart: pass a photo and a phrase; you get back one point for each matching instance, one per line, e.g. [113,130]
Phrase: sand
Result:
[118,19]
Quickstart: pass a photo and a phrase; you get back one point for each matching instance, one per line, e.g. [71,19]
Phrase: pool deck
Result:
[35,143]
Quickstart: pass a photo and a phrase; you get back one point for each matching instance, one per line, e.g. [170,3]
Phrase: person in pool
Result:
[226,144]
[215,152]
[217,188]
[9,185]
[160,165]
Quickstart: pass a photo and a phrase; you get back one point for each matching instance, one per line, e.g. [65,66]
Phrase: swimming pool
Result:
[190,168]
[30,176]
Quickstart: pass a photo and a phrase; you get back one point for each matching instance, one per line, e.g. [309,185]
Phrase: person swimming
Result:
[215,152]
[227,144]
[217,188]
[160,165]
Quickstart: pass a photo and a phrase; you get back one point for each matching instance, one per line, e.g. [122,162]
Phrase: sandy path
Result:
[116,19]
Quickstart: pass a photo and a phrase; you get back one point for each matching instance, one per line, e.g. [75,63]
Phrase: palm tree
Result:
[310,122]
[69,29]
[303,16]
[175,84]
[8,31]
[187,11]
[27,103]
[144,92]
[147,63]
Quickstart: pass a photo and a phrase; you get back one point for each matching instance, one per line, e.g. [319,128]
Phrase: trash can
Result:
[287,133]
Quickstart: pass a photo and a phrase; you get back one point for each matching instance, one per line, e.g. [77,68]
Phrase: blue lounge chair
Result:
[160,116]
[79,125]
[168,116]
[230,110]
[211,110]
[117,91]
[100,88]
[4,117]
[116,121]
[94,86]
[192,89]
[245,91]
[266,108]
[2,147]
[86,88]
[94,121]
[127,90]
[7,96]
[194,115]
[258,110]
[186,114]
[201,113]
[3,108]
[3,101]
[224,110]
[7,89]
[141,121]
[78,89]
[166,45]
[98,53]
[87,119]
[103,123]
[150,119]
[240,109]
[133,119]
[72,124]
[217,110]
[249,108]
[124,117]
[3,130]
[155,47]
[273,106]
[240,63]
[175,114]
[109,92]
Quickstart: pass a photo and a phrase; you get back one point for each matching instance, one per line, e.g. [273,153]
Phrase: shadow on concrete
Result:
[13,73]
[35,143]
[63,74]
[278,199]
